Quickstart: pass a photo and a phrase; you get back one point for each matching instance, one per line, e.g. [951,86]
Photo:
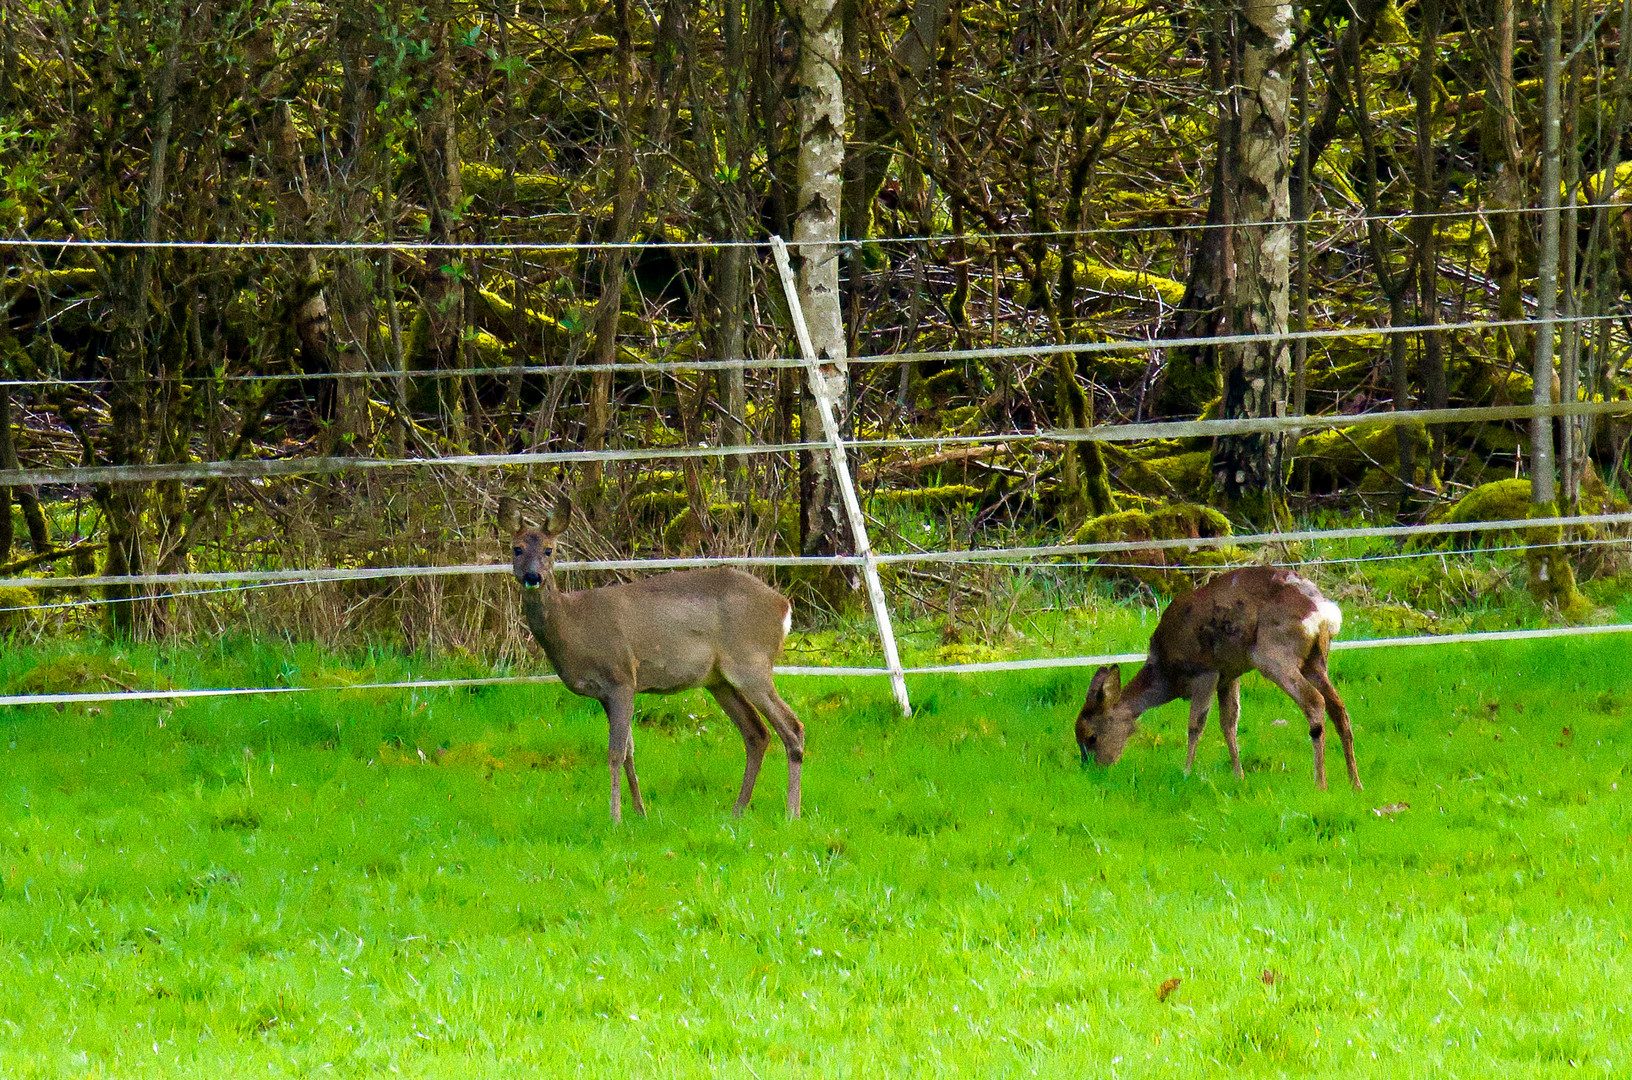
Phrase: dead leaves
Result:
[1165,991]
[1391,809]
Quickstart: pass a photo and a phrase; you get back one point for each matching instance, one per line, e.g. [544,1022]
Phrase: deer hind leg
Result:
[755,737]
[1314,669]
[760,691]
[620,748]
[1201,700]
[1309,698]
[1229,715]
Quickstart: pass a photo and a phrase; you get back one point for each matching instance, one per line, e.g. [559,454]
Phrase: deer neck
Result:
[541,607]
[1146,690]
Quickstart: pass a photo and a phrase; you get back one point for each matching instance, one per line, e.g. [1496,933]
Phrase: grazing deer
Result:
[717,628]
[1262,618]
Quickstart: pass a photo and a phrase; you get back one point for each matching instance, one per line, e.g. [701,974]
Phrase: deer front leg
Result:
[620,753]
[1201,699]
[1229,714]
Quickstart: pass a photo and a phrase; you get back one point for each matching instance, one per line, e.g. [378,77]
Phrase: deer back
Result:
[1220,625]
[667,632]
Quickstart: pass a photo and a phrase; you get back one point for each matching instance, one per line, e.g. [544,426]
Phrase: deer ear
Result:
[1107,685]
[509,516]
[561,513]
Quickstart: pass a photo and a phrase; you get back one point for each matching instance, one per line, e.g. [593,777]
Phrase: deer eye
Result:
[549,551]
[517,551]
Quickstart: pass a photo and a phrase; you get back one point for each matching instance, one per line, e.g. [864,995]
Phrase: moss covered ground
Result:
[356,883]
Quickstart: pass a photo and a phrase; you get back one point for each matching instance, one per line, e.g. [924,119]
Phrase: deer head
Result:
[533,550]
[1103,730]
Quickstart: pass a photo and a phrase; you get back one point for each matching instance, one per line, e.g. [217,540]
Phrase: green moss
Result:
[1500,501]
[85,673]
[53,282]
[11,598]
[940,386]
[1552,577]
[501,188]
[1167,570]
[1182,476]
[513,322]
[684,533]
[942,497]
[1368,459]
[1112,279]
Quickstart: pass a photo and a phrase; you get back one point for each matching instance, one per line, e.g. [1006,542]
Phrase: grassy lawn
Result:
[285,886]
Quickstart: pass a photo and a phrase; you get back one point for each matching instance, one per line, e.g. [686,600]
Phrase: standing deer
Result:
[717,628]
[1262,618]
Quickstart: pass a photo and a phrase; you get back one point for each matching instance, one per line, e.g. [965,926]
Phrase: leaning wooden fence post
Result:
[841,469]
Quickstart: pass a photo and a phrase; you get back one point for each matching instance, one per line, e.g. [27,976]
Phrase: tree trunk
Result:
[1543,484]
[8,450]
[122,503]
[355,328]
[1570,427]
[1425,199]
[823,526]
[1552,578]
[1507,225]
[444,303]
[892,88]
[730,267]
[637,174]
[1188,378]
[39,534]
[1248,469]
[1393,283]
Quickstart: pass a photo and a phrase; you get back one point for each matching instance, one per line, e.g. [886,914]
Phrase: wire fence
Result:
[825,670]
[257,468]
[785,363]
[834,444]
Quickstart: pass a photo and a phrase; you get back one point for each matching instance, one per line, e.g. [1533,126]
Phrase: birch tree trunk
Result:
[823,528]
[1248,469]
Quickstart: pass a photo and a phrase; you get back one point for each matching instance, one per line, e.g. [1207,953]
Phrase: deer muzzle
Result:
[530,580]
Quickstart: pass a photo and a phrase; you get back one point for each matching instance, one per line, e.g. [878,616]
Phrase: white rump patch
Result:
[1327,616]
[787,621]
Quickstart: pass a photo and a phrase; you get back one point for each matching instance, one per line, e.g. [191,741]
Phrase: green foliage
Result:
[428,886]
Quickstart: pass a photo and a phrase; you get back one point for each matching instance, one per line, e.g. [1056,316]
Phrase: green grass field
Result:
[284,886]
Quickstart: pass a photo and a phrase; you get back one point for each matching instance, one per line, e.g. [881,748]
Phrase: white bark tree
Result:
[816,255]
